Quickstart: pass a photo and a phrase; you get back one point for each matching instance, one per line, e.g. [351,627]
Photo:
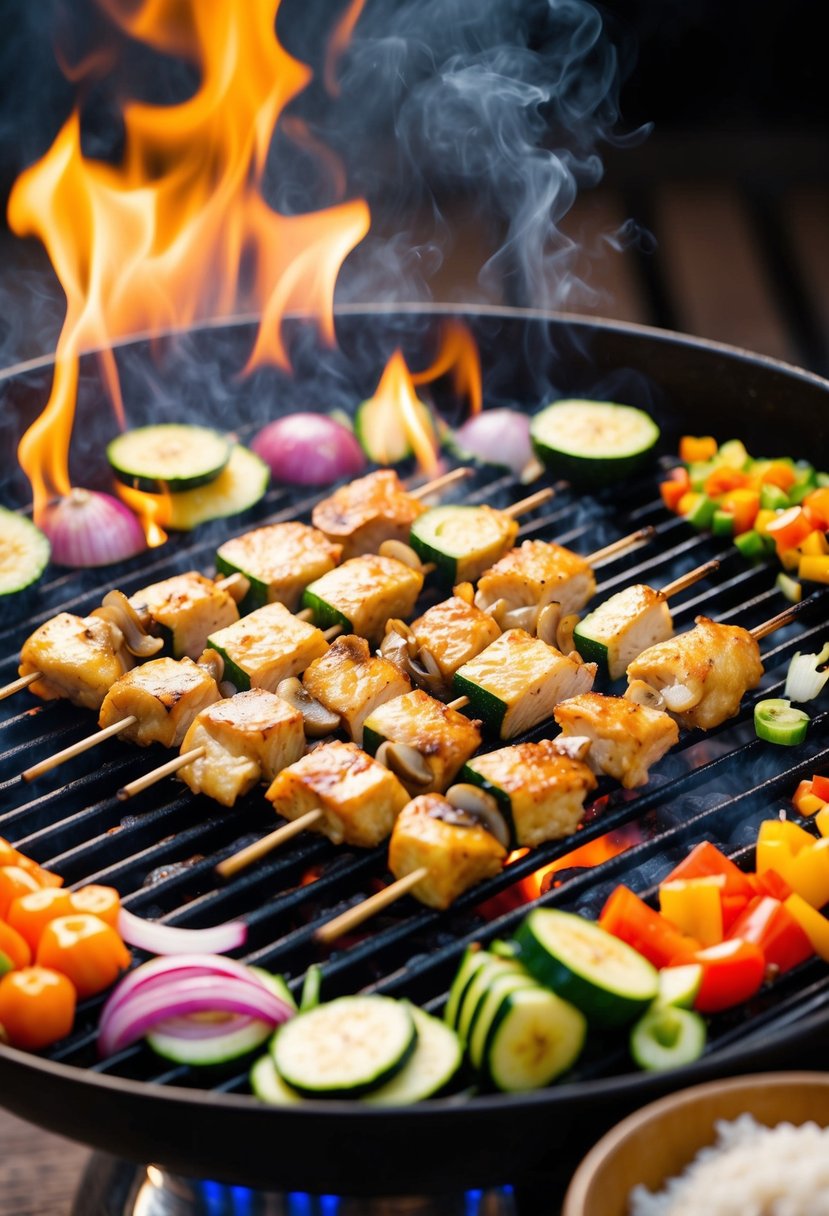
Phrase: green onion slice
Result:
[803,680]
[777,722]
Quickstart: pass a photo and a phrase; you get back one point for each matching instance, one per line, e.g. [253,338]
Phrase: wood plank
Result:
[39,1172]
[715,272]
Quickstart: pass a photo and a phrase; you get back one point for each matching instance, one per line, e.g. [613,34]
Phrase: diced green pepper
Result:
[752,545]
[702,513]
[772,498]
[722,523]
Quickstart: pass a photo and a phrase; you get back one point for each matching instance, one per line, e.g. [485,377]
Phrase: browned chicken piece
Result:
[699,677]
[518,680]
[79,658]
[363,593]
[445,637]
[352,682]
[266,647]
[279,561]
[444,738]
[626,740]
[358,798]
[450,844]
[246,739]
[165,695]
[185,610]
[540,790]
[361,515]
[535,574]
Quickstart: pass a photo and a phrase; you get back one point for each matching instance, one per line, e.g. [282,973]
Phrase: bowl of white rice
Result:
[748,1146]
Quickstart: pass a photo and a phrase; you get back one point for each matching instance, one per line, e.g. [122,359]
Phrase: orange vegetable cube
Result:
[789,528]
[84,948]
[693,449]
[780,474]
[806,800]
[37,1007]
[14,881]
[816,506]
[29,914]
[104,902]
[822,820]
[721,480]
[743,504]
[15,947]
[814,569]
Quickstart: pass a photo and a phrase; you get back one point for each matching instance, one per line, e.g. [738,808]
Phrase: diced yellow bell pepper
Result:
[792,834]
[762,520]
[814,569]
[790,559]
[687,502]
[814,545]
[694,906]
[808,873]
[807,801]
[822,820]
[812,922]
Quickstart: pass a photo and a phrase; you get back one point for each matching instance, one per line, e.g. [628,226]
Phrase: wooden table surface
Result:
[39,1173]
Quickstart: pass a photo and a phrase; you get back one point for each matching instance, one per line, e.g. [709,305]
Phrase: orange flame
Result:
[157,241]
[459,357]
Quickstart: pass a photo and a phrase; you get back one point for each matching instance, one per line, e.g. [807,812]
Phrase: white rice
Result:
[750,1170]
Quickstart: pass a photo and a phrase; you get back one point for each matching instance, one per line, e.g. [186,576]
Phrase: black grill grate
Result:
[161,848]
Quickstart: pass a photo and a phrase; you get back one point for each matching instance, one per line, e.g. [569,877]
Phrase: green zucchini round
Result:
[430,1069]
[667,1036]
[170,457]
[593,443]
[24,552]
[604,977]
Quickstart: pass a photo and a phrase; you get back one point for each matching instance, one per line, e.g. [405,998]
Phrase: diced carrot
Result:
[779,473]
[693,449]
[743,504]
[722,479]
[789,529]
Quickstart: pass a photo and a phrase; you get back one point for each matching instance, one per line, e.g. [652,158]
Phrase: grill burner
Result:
[161,851]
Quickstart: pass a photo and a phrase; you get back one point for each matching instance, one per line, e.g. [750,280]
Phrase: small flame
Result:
[151,509]
[158,240]
[405,415]
[603,848]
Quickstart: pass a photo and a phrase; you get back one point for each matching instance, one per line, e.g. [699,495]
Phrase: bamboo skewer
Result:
[529,503]
[640,537]
[688,579]
[164,770]
[776,622]
[260,848]
[440,483]
[77,749]
[369,907]
[18,685]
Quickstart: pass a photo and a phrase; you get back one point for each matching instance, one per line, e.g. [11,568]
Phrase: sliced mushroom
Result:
[424,671]
[395,646]
[406,763]
[118,611]
[679,698]
[547,623]
[643,694]
[236,585]
[481,806]
[574,747]
[213,663]
[318,720]
[401,552]
[465,592]
[564,633]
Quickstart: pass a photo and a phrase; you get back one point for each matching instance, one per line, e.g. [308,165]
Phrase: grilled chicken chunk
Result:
[185,610]
[700,676]
[626,740]
[454,848]
[444,738]
[79,658]
[351,682]
[517,681]
[246,739]
[623,626]
[541,790]
[279,561]
[449,634]
[537,573]
[361,515]
[363,593]
[267,646]
[358,798]
[164,695]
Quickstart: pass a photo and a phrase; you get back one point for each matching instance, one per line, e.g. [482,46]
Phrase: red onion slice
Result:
[161,970]
[158,938]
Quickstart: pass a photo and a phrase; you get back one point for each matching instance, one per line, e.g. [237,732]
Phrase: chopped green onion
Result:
[790,587]
[804,681]
[776,721]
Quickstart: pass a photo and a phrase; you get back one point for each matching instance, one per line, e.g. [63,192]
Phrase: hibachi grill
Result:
[162,848]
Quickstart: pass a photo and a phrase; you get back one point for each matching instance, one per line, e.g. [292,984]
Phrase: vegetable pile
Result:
[768,507]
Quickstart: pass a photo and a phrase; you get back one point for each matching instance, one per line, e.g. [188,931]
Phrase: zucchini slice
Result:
[171,457]
[604,977]
[268,1086]
[24,552]
[430,1069]
[462,541]
[667,1036]
[385,432]
[534,1037]
[494,975]
[238,487]
[593,442]
[680,985]
[346,1047]
[472,961]
[211,1049]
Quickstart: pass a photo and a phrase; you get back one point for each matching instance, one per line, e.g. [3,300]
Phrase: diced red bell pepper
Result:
[672,489]
[820,787]
[732,972]
[630,919]
[768,924]
[816,506]
[771,883]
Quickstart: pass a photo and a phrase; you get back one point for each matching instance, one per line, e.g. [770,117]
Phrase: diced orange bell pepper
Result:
[813,569]
[742,504]
[769,924]
[816,506]
[813,923]
[779,473]
[732,972]
[806,800]
[84,948]
[14,881]
[693,449]
[673,488]
[37,1007]
[10,856]
[30,913]
[15,947]
[694,906]
[104,902]
[722,479]
[822,821]
[630,919]
[789,529]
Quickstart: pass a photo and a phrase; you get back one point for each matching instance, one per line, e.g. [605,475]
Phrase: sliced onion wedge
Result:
[158,938]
